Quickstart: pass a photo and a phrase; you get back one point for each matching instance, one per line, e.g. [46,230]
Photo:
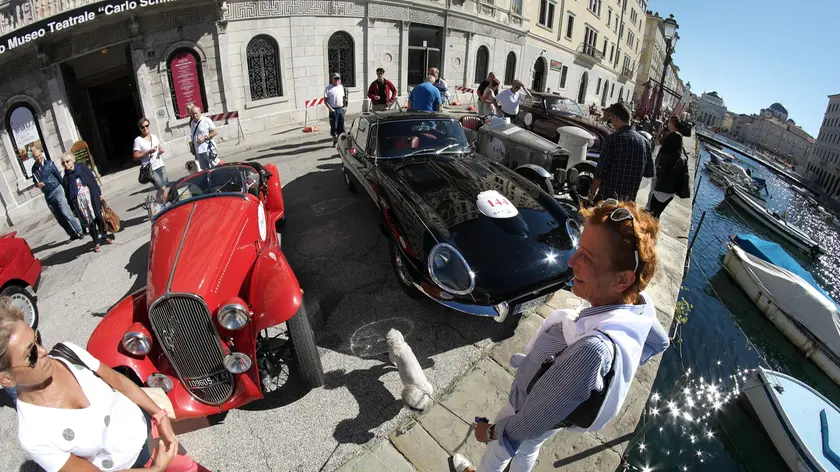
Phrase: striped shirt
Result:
[578,370]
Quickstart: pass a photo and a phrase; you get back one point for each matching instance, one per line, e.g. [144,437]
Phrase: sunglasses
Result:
[66,162]
[144,126]
[623,214]
[32,358]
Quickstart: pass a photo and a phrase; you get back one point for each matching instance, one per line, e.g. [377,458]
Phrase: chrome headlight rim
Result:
[237,359]
[236,309]
[136,337]
[161,381]
[457,253]
[574,231]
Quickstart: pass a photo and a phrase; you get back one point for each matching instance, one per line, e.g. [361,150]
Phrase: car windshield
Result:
[413,137]
[564,105]
[225,179]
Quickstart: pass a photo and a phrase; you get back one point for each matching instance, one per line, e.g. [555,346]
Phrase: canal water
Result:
[694,419]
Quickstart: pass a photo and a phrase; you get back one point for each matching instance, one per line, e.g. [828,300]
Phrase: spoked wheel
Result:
[25,302]
[307,359]
[581,186]
[403,276]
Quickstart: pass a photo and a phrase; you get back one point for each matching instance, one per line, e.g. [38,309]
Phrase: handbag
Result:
[684,188]
[145,174]
[109,216]
[157,395]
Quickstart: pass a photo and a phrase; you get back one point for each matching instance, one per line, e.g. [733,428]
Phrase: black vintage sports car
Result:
[546,112]
[465,231]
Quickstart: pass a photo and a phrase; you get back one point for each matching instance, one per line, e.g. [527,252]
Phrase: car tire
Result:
[307,359]
[26,302]
[586,171]
[401,271]
[347,180]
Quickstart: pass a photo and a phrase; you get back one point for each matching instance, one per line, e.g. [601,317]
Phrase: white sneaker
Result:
[460,463]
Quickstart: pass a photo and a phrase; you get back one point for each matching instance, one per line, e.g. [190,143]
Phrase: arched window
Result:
[25,132]
[264,68]
[482,63]
[186,81]
[510,68]
[341,58]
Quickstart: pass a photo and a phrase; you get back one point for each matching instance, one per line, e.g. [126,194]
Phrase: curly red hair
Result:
[641,234]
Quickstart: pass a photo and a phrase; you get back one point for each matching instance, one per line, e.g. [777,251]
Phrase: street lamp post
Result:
[670,26]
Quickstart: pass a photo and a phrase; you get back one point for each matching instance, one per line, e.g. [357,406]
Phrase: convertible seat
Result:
[471,122]
[408,143]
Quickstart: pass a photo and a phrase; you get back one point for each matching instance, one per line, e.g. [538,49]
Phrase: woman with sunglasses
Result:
[85,198]
[576,372]
[148,150]
[74,418]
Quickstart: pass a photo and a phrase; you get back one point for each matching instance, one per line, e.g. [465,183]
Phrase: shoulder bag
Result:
[157,395]
[684,188]
[145,175]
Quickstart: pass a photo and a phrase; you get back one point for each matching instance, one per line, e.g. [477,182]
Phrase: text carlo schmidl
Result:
[69,19]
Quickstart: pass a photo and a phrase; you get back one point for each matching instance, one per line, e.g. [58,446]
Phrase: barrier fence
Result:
[226,117]
[307,104]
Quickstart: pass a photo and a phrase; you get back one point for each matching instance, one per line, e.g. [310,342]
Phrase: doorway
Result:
[102,92]
[584,84]
[424,45]
[538,84]
[604,93]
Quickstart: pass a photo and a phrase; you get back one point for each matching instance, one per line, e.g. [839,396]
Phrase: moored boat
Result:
[802,424]
[773,221]
[726,174]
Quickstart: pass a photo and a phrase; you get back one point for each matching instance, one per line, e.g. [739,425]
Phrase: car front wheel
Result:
[403,275]
[307,359]
[25,302]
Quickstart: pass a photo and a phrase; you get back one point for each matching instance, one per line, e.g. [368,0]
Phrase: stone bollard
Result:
[576,141]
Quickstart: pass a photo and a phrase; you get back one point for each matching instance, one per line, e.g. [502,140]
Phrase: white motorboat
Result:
[799,308]
[721,154]
[773,221]
[726,174]
[802,424]
[800,191]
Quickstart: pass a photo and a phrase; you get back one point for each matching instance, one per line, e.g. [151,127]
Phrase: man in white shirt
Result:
[335,100]
[203,131]
[510,99]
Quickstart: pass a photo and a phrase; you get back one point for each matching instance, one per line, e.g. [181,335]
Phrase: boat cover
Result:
[796,297]
[774,254]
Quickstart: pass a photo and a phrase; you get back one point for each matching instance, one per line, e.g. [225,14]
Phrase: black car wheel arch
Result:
[402,271]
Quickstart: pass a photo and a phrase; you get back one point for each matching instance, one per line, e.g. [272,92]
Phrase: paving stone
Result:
[421,449]
[447,429]
[522,336]
[565,299]
[671,252]
[482,392]
[574,452]
[382,456]
[665,287]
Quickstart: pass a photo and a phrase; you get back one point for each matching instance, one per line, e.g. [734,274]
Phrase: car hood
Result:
[508,255]
[192,246]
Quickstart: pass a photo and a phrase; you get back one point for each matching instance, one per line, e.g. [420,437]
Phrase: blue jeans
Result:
[159,178]
[57,203]
[336,122]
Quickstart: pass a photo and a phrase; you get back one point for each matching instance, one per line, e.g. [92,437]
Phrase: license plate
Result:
[522,307]
[207,381]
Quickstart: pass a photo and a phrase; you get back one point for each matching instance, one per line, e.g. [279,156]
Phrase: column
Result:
[223,51]
[144,88]
[403,87]
[368,60]
[468,58]
[67,132]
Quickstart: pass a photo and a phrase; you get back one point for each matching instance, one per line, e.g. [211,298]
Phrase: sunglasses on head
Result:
[622,214]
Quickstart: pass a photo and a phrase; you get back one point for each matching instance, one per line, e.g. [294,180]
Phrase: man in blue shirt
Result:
[425,97]
[48,179]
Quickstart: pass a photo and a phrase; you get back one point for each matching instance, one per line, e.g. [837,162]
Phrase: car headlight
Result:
[158,380]
[450,271]
[573,228]
[237,363]
[136,343]
[233,317]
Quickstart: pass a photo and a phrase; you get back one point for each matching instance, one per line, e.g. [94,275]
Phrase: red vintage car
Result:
[205,327]
[20,273]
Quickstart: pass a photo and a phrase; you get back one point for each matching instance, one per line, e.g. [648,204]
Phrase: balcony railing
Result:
[590,51]
[628,72]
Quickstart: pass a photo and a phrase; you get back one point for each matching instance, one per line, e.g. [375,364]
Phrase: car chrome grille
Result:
[184,328]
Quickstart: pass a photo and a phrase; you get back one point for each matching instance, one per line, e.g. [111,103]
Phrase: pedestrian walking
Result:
[85,197]
[487,100]
[425,97]
[577,370]
[75,413]
[671,167]
[440,84]
[203,130]
[626,157]
[336,101]
[481,88]
[46,176]
[509,100]
[148,150]
[381,92]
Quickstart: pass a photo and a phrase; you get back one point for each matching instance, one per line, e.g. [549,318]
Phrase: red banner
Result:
[184,72]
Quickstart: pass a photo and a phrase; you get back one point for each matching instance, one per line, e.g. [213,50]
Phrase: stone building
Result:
[773,131]
[823,165]
[586,50]
[710,110]
[74,70]
[652,57]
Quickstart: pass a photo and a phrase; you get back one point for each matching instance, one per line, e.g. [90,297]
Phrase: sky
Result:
[756,52]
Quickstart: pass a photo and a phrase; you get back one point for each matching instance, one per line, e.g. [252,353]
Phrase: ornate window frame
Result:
[355,42]
[282,59]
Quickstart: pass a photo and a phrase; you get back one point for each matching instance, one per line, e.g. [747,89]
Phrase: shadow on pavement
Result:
[376,403]
[136,267]
[328,158]
[141,191]
[52,245]
[291,152]
[134,222]
[69,255]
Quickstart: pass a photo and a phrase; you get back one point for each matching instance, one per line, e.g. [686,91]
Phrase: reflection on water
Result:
[714,347]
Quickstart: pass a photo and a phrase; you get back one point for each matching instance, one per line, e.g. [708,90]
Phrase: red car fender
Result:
[275,293]
[275,193]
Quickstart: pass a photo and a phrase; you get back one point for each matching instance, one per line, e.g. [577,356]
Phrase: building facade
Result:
[773,131]
[710,110]
[823,165]
[87,70]
[652,56]
[586,50]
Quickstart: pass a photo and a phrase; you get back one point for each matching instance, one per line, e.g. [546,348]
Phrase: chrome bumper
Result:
[470,309]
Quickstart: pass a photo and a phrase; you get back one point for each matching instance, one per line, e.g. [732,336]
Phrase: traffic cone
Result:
[472,108]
